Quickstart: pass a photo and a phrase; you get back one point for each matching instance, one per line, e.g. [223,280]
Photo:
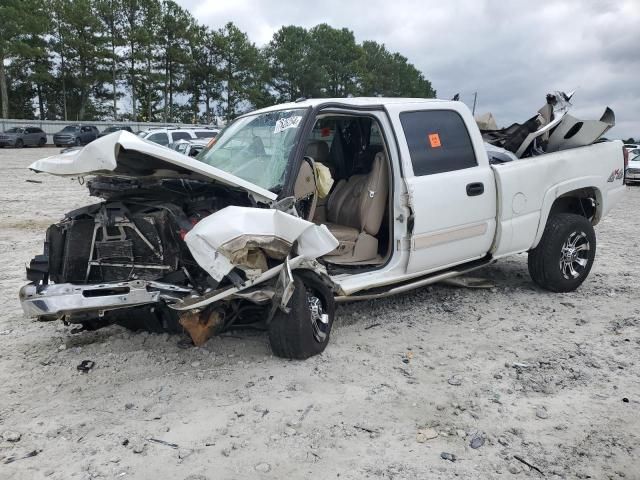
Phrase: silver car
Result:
[19,137]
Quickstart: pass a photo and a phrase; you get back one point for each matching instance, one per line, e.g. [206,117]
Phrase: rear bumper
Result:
[66,298]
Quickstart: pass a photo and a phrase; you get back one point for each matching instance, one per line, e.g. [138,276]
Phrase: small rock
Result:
[128,406]
[11,436]
[461,433]
[62,347]
[448,456]
[195,364]
[455,380]
[263,467]
[138,447]
[290,431]
[514,468]
[476,441]
[542,413]
[425,434]
[226,451]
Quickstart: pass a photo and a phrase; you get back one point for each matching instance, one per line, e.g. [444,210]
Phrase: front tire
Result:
[78,142]
[564,257]
[19,143]
[304,331]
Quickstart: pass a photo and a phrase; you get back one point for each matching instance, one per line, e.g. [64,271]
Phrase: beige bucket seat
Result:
[354,210]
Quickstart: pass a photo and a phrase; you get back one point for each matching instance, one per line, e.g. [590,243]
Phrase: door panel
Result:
[451,187]
[450,226]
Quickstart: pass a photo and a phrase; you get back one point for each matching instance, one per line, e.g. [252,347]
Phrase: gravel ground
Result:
[551,379]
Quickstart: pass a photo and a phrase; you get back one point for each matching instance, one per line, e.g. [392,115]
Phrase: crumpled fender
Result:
[220,242]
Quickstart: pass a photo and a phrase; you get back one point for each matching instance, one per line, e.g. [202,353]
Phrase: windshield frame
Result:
[290,163]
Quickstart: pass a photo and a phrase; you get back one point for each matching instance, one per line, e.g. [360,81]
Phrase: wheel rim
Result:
[77,141]
[319,319]
[574,256]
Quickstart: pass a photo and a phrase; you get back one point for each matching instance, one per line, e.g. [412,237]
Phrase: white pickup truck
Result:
[298,206]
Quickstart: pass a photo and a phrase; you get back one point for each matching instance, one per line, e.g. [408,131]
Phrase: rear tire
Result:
[304,331]
[42,142]
[564,257]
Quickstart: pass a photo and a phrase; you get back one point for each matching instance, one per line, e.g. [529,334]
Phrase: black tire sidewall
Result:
[19,143]
[291,334]
[550,247]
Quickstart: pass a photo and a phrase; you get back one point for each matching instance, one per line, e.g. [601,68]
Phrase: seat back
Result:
[360,201]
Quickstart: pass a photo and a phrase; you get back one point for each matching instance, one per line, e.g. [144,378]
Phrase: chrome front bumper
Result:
[66,298]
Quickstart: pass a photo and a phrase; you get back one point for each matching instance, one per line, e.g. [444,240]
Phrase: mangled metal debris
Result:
[550,130]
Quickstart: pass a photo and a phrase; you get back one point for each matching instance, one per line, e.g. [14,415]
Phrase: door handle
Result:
[475,189]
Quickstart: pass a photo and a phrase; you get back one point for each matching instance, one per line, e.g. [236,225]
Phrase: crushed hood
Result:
[125,154]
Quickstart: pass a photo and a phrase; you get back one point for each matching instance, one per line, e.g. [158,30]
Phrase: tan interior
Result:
[354,209]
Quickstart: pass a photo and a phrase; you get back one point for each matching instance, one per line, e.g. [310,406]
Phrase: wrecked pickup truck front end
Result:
[176,244]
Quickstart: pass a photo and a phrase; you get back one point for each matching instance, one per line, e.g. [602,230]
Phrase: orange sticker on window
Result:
[434,140]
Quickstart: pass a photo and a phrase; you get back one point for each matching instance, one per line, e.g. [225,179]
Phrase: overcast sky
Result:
[511,52]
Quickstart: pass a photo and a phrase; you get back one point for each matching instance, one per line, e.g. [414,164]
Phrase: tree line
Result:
[150,60]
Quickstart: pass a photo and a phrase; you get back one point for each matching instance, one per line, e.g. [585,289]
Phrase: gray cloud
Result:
[512,53]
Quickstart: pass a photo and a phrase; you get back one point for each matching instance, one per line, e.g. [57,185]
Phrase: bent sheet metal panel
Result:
[215,240]
[101,157]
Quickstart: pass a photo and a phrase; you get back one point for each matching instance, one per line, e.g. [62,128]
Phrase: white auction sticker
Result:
[285,123]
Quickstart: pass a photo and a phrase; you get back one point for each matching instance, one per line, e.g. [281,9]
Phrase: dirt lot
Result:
[551,379]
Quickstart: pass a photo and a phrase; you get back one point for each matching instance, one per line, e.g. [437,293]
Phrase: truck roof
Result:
[351,101]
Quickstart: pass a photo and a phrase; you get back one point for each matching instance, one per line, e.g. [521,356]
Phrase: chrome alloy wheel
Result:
[574,255]
[319,319]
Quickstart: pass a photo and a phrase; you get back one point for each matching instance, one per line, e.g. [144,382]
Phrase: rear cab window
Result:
[205,133]
[160,138]
[438,141]
[180,136]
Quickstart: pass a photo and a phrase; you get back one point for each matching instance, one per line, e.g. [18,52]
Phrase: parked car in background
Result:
[75,135]
[633,152]
[115,128]
[632,173]
[23,136]
[165,136]
[190,148]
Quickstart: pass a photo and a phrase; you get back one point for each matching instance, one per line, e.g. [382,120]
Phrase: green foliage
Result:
[151,60]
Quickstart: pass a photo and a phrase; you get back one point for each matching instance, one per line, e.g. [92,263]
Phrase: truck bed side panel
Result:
[527,189]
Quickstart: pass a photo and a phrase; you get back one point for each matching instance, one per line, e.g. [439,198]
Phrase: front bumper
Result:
[64,141]
[632,174]
[62,299]
[7,142]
